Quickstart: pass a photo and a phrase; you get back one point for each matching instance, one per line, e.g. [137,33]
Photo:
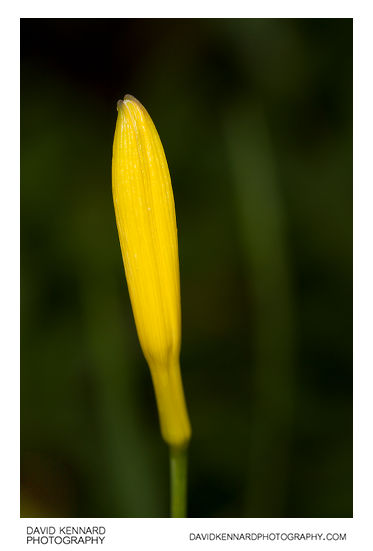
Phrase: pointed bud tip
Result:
[129,99]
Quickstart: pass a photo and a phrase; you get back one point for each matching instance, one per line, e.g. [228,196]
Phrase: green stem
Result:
[178,482]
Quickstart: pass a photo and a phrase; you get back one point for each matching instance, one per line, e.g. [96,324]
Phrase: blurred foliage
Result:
[256,120]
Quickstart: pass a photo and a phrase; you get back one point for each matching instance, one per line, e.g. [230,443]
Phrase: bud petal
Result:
[146,222]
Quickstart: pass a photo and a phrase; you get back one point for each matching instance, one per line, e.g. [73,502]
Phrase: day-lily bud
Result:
[146,222]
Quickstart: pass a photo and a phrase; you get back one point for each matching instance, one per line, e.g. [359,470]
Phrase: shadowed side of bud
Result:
[146,222]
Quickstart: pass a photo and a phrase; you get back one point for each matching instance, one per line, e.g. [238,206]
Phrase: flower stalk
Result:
[146,223]
[178,482]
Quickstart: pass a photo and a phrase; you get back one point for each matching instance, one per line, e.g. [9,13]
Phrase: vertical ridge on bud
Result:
[146,222]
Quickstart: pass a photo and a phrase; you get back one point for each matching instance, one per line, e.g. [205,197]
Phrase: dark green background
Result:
[256,121]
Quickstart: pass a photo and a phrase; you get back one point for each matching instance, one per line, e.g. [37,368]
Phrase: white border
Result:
[173,533]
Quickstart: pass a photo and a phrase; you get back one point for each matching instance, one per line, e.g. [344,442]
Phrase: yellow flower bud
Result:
[146,222]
